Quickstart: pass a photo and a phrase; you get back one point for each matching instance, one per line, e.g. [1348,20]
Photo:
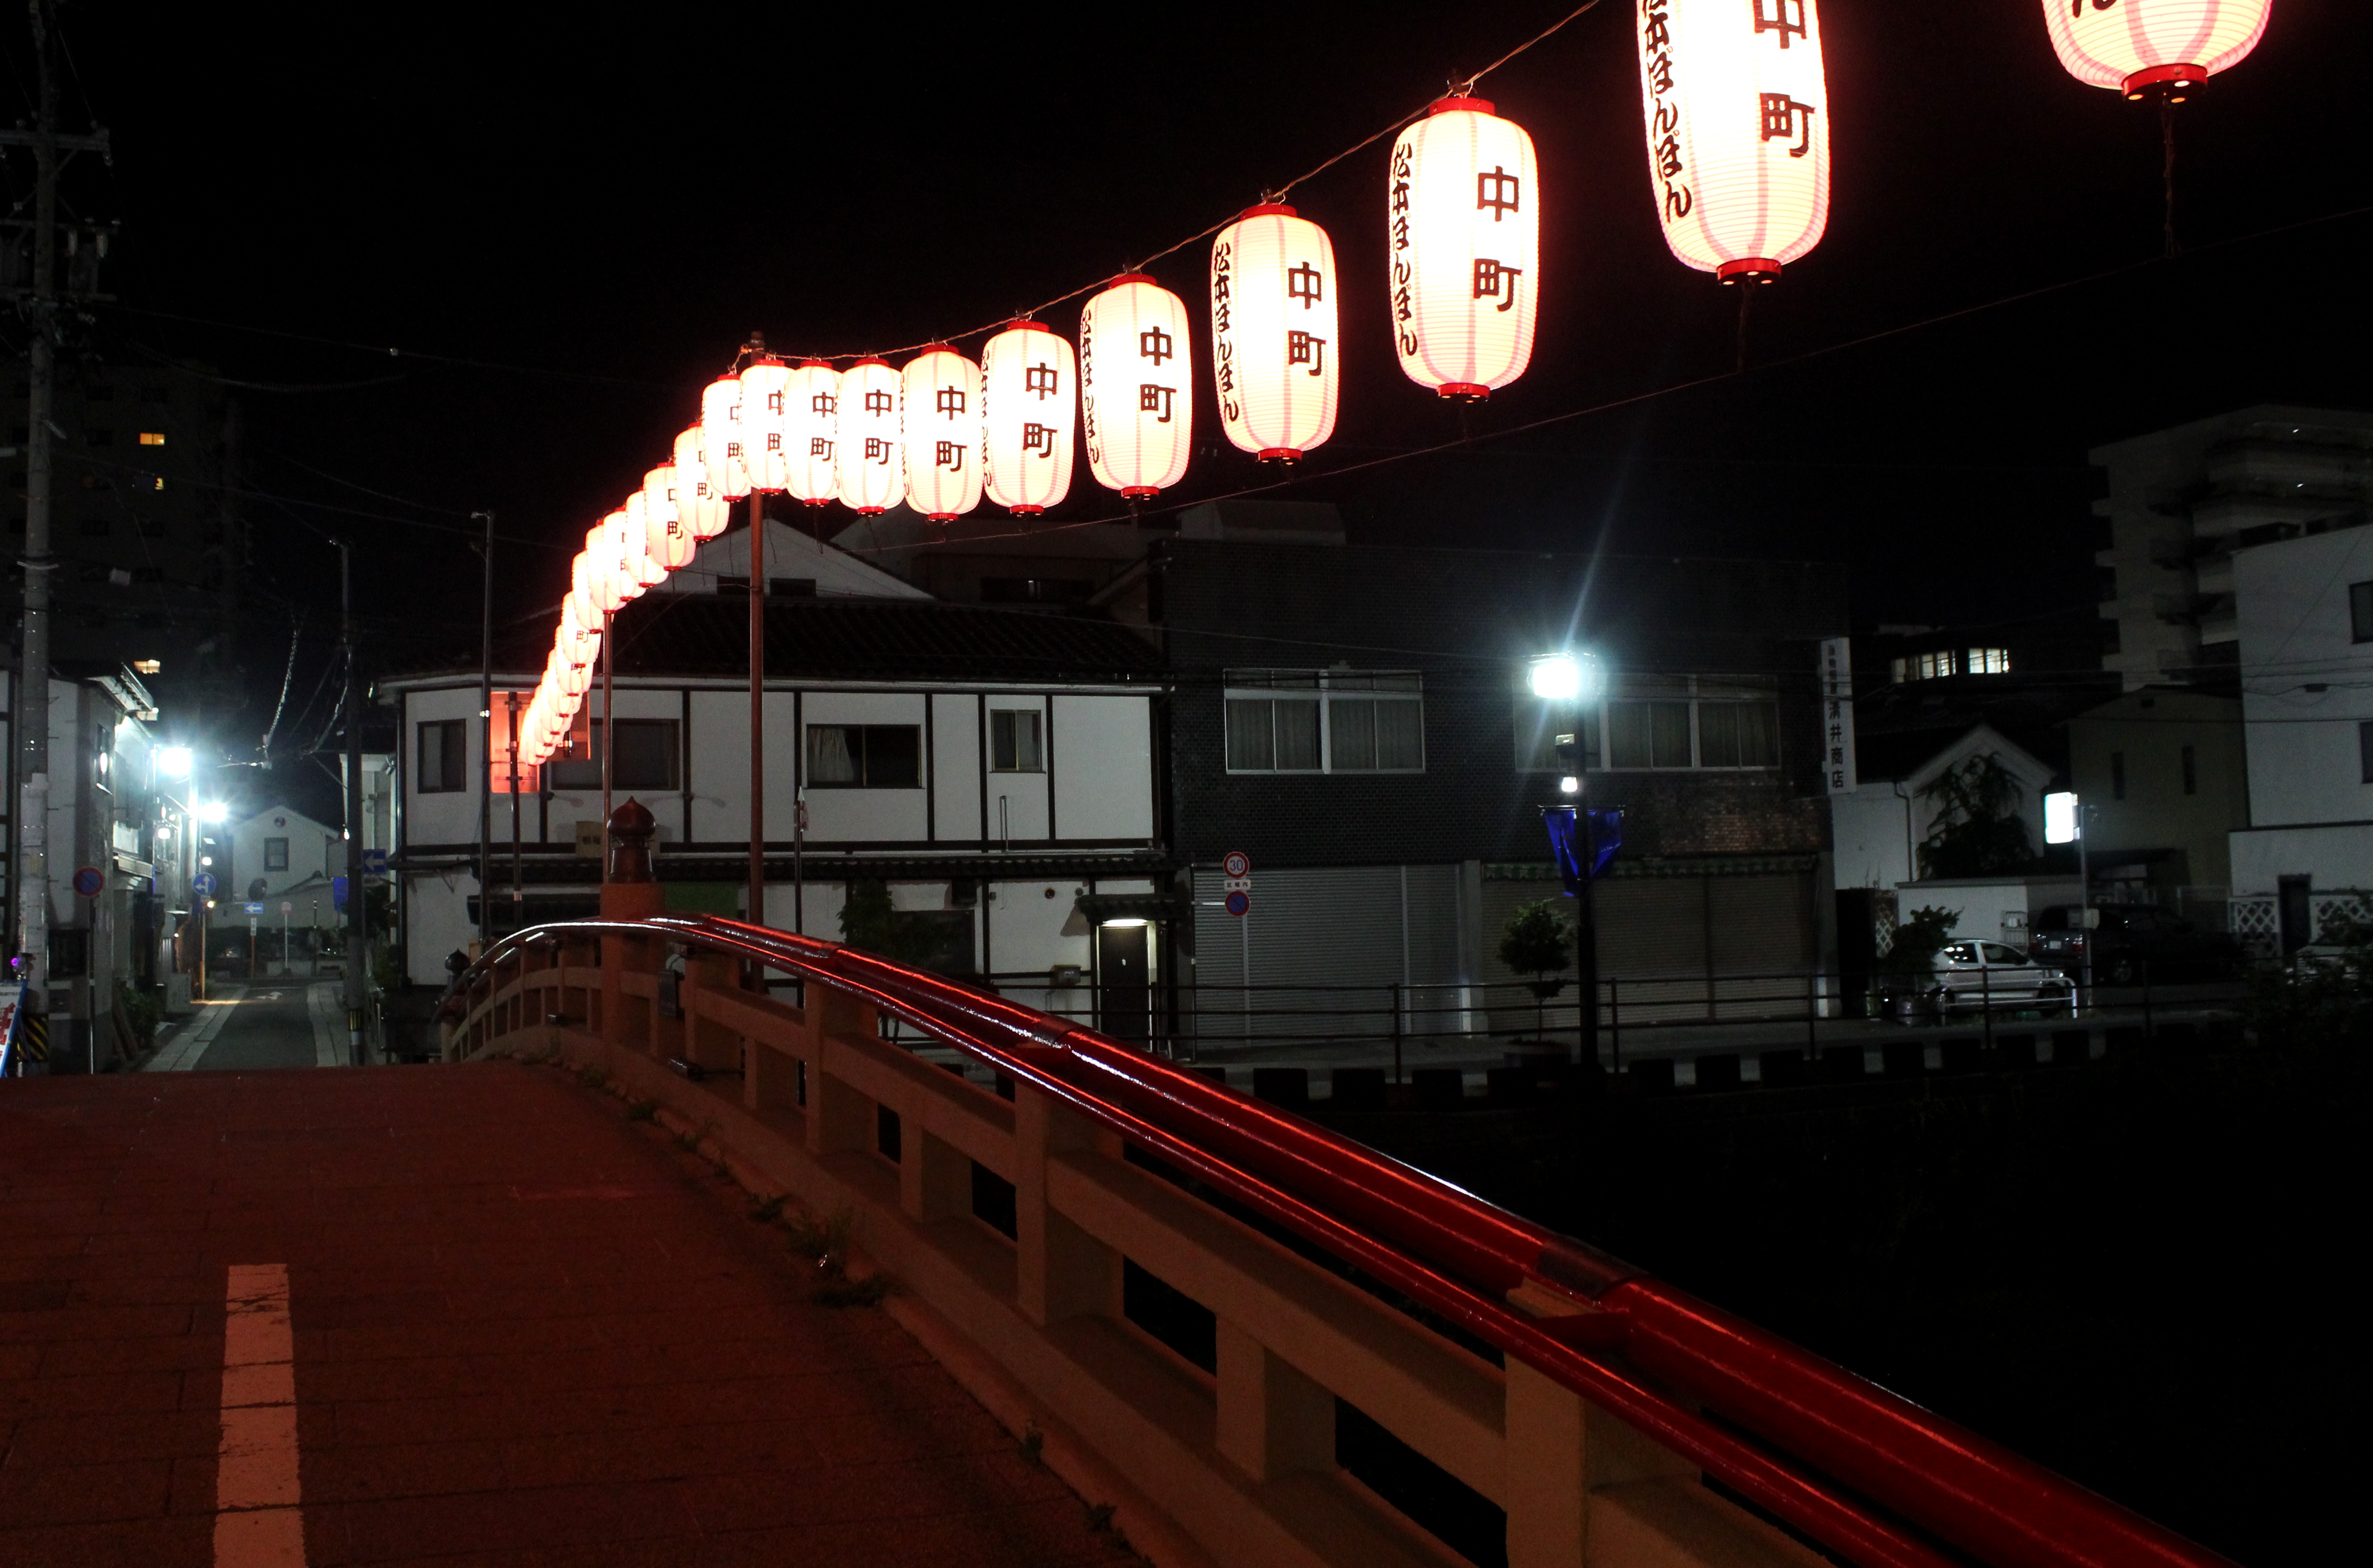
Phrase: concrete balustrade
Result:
[1232,1465]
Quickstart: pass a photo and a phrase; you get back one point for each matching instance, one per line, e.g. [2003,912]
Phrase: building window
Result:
[275,854]
[1013,740]
[2365,751]
[1665,723]
[2117,775]
[647,749]
[2191,771]
[1989,661]
[444,756]
[865,756]
[1324,722]
[2360,611]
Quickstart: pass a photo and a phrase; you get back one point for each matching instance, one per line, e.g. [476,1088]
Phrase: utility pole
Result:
[31,719]
[355,907]
[486,724]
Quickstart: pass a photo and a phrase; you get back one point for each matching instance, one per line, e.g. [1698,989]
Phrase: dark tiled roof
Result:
[709,635]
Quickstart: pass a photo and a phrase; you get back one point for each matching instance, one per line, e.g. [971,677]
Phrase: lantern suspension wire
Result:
[1694,383]
[1459,89]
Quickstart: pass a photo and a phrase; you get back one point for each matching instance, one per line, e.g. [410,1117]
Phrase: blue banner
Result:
[1584,842]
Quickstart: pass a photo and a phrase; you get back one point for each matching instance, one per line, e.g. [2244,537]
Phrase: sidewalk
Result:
[524,1331]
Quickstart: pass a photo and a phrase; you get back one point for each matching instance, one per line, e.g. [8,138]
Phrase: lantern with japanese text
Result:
[580,587]
[601,589]
[871,454]
[581,629]
[1137,391]
[1738,130]
[1463,249]
[1275,365]
[941,391]
[571,680]
[672,544]
[764,456]
[1029,398]
[637,545]
[721,438]
[811,432]
[2153,47]
[704,512]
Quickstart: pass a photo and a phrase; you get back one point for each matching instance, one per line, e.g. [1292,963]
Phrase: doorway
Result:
[1124,980]
[2291,904]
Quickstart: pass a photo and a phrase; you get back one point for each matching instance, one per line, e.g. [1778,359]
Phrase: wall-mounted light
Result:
[176,761]
[1566,676]
[215,811]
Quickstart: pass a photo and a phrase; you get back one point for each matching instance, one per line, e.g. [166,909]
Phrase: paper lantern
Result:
[764,455]
[1276,367]
[636,544]
[600,570]
[940,391]
[581,588]
[705,512]
[1463,249]
[721,438]
[1738,130]
[2153,46]
[672,544]
[870,448]
[1029,395]
[1136,392]
[811,432]
[581,629]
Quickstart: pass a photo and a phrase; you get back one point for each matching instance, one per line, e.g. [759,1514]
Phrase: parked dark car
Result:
[2130,942]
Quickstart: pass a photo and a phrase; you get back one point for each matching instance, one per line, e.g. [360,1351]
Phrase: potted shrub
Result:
[1538,940]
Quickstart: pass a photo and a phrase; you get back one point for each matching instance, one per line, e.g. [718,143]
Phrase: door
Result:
[1123,991]
[2290,897]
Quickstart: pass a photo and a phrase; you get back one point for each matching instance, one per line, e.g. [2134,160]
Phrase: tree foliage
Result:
[1538,940]
[869,920]
[1919,937]
[1979,830]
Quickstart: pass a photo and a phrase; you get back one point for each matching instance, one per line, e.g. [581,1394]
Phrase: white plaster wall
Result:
[957,765]
[1103,753]
[439,907]
[2331,857]
[1867,826]
[720,766]
[838,814]
[441,817]
[1026,929]
[2292,611]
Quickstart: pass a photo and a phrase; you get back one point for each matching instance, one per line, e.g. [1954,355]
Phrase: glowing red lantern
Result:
[636,544]
[1029,395]
[671,542]
[1137,391]
[811,432]
[2145,47]
[1737,116]
[600,559]
[704,512]
[721,438]
[1275,361]
[872,452]
[1462,214]
[940,390]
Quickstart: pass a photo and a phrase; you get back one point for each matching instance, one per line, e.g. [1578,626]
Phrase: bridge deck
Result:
[525,1331]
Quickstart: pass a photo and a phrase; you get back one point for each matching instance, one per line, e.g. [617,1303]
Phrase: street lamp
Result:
[2063,822]
[1574,680]
[214,811]
[175,762]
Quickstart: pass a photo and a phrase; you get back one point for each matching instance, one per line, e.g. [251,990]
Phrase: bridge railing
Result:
[1307,1289]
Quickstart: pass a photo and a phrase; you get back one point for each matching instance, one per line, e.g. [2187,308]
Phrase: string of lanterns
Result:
[1735,105]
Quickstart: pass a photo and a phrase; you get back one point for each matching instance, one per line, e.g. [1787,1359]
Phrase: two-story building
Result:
[994,767]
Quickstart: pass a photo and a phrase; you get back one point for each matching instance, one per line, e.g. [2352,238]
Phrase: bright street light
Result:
[176,761]
[215,811]
[1565,677]
[2060,818]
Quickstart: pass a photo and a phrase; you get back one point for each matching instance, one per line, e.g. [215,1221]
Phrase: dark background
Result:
[587,213]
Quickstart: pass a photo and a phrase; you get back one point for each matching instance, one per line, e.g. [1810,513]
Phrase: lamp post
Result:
[1570,683]
[2064,815]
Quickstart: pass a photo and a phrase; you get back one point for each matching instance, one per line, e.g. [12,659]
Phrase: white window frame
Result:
[1326,692]
[1698,692]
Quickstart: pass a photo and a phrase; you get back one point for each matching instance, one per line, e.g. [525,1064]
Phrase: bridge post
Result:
[1061,1270]
[629,893]
[1272,1419]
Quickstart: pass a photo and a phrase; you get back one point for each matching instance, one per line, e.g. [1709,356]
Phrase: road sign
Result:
[374,862]
[1239,902]
[1235,864]
[287,907]
[202,884]
[255,908]
[88,882]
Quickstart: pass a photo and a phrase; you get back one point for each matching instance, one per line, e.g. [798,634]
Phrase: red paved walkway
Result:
[526,1331]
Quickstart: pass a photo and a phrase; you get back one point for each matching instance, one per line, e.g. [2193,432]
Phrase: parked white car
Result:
[1976,976]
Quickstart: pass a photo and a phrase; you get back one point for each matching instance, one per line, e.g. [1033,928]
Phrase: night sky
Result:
[585,214]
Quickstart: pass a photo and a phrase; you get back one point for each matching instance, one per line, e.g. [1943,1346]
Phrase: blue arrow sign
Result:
[202,884]
[374,862]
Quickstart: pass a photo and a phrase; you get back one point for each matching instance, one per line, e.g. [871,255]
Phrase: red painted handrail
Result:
[1871,1476]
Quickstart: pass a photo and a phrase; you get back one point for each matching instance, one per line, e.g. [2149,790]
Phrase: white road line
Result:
[322,1000]
[189,1042]
[257,1521]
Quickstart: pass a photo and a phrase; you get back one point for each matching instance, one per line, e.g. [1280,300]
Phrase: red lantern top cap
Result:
[1268,209]
[868,359]
[815,364]
[936,348]
[1453,105]
[1128,277]
[1024,323]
